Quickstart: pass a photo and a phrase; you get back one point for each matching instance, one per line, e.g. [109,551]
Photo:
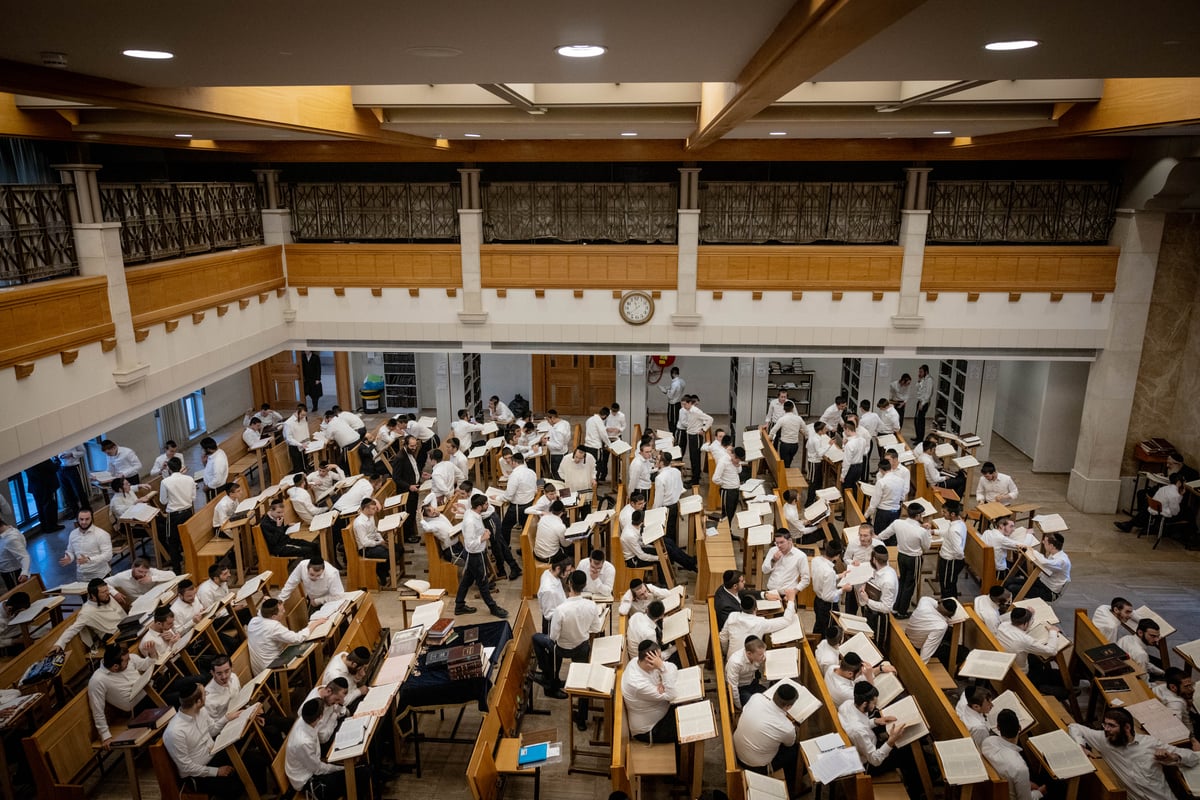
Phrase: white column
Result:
[685,291]
[277,226]
[1096,478]
[98,245]
[914,223]
[470,238]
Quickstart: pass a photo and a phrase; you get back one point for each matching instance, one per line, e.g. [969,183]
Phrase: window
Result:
[193,413]
[24,509]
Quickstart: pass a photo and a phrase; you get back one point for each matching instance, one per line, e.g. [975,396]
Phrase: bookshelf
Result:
[798,381]
[951,392]
[473,384]
[400,381]
[733,392]
[851,380]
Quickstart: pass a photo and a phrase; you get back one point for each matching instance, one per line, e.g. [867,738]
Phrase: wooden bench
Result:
[170,785]
[980,560]
[714,555]
[360,570]
[1102,784]
[241,460]
[734,784]
[278,565]
[531,568]
[201,546]
[854,513]
[442,573]
[73,667]
[60,752]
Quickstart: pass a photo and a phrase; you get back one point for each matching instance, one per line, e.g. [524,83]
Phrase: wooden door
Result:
[575,386]
[276,380]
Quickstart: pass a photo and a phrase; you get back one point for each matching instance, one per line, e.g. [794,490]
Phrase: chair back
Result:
[169,782]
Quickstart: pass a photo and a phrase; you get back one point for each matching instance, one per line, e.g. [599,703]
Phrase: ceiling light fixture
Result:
[472,135]
[581,50]
[942,133]
[433,51]
[629,133]
[152,55]
[777,133]
[183,136]
[1012,44]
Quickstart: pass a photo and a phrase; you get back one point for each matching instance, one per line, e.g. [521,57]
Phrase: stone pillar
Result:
[1095,482]
[914,223]
[98,245]
[688,240]
[470,235]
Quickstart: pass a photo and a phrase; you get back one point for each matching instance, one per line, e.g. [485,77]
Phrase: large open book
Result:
[234,729]
[607,649]
[695,722]
[907,713]
[866,650]
[1062,754]
[987,664]
[806,703]
[1010,701]
[689,684]
[586,676]
[782,662]
[677,625]
[1159,722]
[961,763]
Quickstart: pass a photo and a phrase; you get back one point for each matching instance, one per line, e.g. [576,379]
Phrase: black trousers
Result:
[170,536]
[729,503]
[880,625]
[814,471]
[910,571]
[787,451]
[883,518]
[474,574]
[673,417]
[919,420]
[785,759]
[501,549]
[947,574]
[72,488]
[297,457]
[663,731]
[514,516]
[333,784]
[599,453]
[853,476]
[694,441]
[822,610]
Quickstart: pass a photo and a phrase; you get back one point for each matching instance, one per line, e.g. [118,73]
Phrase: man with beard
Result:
[89,547]
[100,615]
[1138,758]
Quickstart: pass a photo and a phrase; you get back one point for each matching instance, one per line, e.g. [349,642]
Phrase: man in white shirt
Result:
[877,597]
[869,426]
[859,721]
[301,498]
[321,584]
[890,490]
[854,452]
[832,415]
[1109,618]
[574,622]
[220,692]
[1142,647]
[744,670]
[1178,693]
[826,594]
[170,450]
[994,487]
[114,684]
[765,736]
[14,555]
[791,431]
[1014,637]
[913,539]
[443,478]
[252,435]
[558,439]
[889,418]
[595,441]
[327,475]
[993,607]
[306,770]
[465,428]
[216,465]
[797,525]
[160,634]
[296,434]
[267,636]
[816,446]
[697,423]
[648,690]
[519,492]
[640,468]
[924,397]
[551,593]
[1138,759]
[668,488]
[100,616]
[601,575]
[121,460]
[953,549]
[475,536]
[1169,499]
[89,547]
[550,539]
[189,744]
[361,489]
[639,595]
[452,449]
[232,494]
[177,493]
[741,624]
[1054,569]
[898,394]
[498,412]
[774,412]
[643,625]
[1004,754]
[674,392]
[349,666]
[579,474]
[785,566]
[339,432]
[927,627]
[369,540]
[727,476]
[973,706]
[134,582]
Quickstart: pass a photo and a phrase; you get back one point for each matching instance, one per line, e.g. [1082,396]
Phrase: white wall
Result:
[1038,409]
[1020,388]
[506,374]
[706,376]
[229,398]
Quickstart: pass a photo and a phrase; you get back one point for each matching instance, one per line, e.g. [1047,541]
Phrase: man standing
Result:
[475,541]
[121,460]
[697,423]
[216,465]
[924,397]
[898,391]
[595,441]
[913,539]
[177,493]
[558,439]
[890,490]
[674,393]
[571,628]
[71,479]
[89,547]
[789,429]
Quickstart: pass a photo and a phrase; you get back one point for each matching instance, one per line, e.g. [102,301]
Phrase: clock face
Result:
[637,308]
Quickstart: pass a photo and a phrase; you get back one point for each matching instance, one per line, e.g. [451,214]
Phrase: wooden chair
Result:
[360,570]
[278,565]
[442,573]
[60,753]
[169,783]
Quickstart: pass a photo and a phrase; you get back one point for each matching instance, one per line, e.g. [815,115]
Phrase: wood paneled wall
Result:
[1017,269]
[376,266]
[843,268]
[172,289]
[579,266]
[47,318]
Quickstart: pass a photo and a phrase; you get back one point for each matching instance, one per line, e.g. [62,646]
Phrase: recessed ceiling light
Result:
[777,133]
[183,136]
[472,135]
[629,133]
[1013,44]
[942,133]
[581,50]
[153,55]
[433,52]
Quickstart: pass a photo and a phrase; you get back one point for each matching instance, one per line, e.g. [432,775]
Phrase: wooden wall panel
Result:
[1020,269]
[47,318]
[579,266]
[341,265]
[849,268]
[171,289]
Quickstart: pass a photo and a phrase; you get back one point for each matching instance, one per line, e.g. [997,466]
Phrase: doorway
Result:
[573,385]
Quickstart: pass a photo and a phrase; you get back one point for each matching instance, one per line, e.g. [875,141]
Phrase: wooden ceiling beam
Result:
[813,35]
[321,110]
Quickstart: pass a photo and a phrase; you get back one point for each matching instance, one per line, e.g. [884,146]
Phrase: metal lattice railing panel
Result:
[373,211]
[1032,212]
[736,212]
[579,212]
[36,240]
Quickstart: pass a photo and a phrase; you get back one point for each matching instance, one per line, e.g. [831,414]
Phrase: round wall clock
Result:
[637,307]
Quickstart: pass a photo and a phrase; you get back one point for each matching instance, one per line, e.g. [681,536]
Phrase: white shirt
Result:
[186,613]
[791,515]
[739,625]
[125,583]
[1005,757]
[96,544]
[674,391]
[160,464]
[351,500]
[889,420]
[338,668]
[988,612]
[761,731]
[791,570]
[14,556]
[1174,703]
[595,432]
[790,427]
[501,415]
[630,603]
[645,704]
[853,452]
[1019,642]
[188,741]
[177,492]
[668,487]
[926,628]
[840,687]
[303,758]
[94,617]
[638,629]
[217,699]
[295,431]
[116,689]
[869,424]
[216,469]
[639,473]
[1136,649]
[210,593]
[522,486]
[954,543]
[774,412]
[827,656]
[1171,500]
[338,431]
[266,639]
[740,671]
[253,440]
[924,390]
[631,544]
[1056,571]
[857,553]
[323,483]
[912,538]
[366,534]
[890,490]
[580,476]
[125,462]
[977,724]
[986,491]
[443,479]
[302,503]
[121,503]
[559,438]
[601,586]
[1134,763]
[574,621]
[697,421]
[616,424]
[550,594]
[832,417]
[861,731]
[549,537]
[472,532]
[153,644]
[727,473]
[440,527]
[1106,622]
[818,444]
[888,582]
[896,392]
[824,580]
[320,591]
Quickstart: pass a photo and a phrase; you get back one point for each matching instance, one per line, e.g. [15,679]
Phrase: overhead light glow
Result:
[777,133]
[183,136]
[942,133]
[629,133]
[153,55]
[472,135]
[1014,44]
[581,50]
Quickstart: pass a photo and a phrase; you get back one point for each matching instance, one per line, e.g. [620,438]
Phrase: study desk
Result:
[129,754]
[431,688]
[993,511]
[603,738]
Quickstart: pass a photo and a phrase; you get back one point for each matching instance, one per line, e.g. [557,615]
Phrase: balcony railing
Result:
[373,212]
[799,213]
[1021,212]
[169,220]
[36,240]
[616,213]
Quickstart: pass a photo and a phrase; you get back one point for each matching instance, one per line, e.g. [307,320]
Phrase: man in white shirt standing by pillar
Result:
[674,392]
[924,398]
[177,493]
[595,441]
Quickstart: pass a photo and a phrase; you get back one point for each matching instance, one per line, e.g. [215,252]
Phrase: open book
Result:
[1165,628]
[392,521]
[618,447]
[857,576]
[834,454]
[251,586]
[853,623]
[234,729]
[818,511]
[677,625]
[427,614]
[1008,700]
[806,703]
[1050,523]
[1190,650]
[376,703]
[860,644]
[961,763]
[587,676]
[782,662]
[965,462]
[889,687]
[695,722]
[37,607]
[140,512]
[607,649]
[1062,754]
[246,693]
[322,521]
[690,504]
[1043,612]
[987,664]
[651,533]
[793,632]
[760,535]
[689,684]
[1158,721]
[906,712]
[351,736]
[763,787]
[944,449]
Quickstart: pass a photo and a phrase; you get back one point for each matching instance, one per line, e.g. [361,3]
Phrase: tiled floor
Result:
[1105,562]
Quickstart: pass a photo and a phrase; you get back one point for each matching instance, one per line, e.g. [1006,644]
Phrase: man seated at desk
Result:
[332,696]
[136,581]
[351,667]
[1178,692]
[302,499]
[571,629]
[860,718]
[994,487]
[643,625]
[267,636]
[1014,637]
[217,588]
[100,616]
[321,584]
[550,538]
[973,706]
[639,595]
[1140,644]
[325,477]
[113,683]
[744,670]
[160,634]
[370,541]
[747,622]
[601,575]
[190,744]
[1169,500]
[994,607]
[435,522]
[279,543]
[1004,754]
[1109,618]
[1137,758]
[10,635]
[1054,570]
[307,772]
[232,494]
[765,737]
[648,690]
